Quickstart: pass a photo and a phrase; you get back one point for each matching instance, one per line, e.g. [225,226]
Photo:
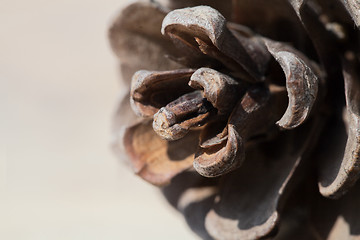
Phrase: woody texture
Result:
[246,113]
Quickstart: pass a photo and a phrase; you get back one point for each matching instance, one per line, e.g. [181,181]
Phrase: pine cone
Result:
[245,112]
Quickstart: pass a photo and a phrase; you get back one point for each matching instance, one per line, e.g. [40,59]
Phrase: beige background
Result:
[58,177]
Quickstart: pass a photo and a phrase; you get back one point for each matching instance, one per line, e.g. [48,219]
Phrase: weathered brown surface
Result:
[342,172]
[249,201]
[223,151]
[174,121]
[219,89]
[204,30]
[301,83]
[151,90]
[353,7]
[136,39]
[253,144]
[155,159]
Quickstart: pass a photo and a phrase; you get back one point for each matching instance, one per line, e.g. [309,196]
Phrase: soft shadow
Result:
[330,151]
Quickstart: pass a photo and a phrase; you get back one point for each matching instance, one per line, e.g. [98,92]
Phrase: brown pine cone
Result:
[245,112]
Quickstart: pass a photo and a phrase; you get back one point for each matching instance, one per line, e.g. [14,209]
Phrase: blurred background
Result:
[59,85]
